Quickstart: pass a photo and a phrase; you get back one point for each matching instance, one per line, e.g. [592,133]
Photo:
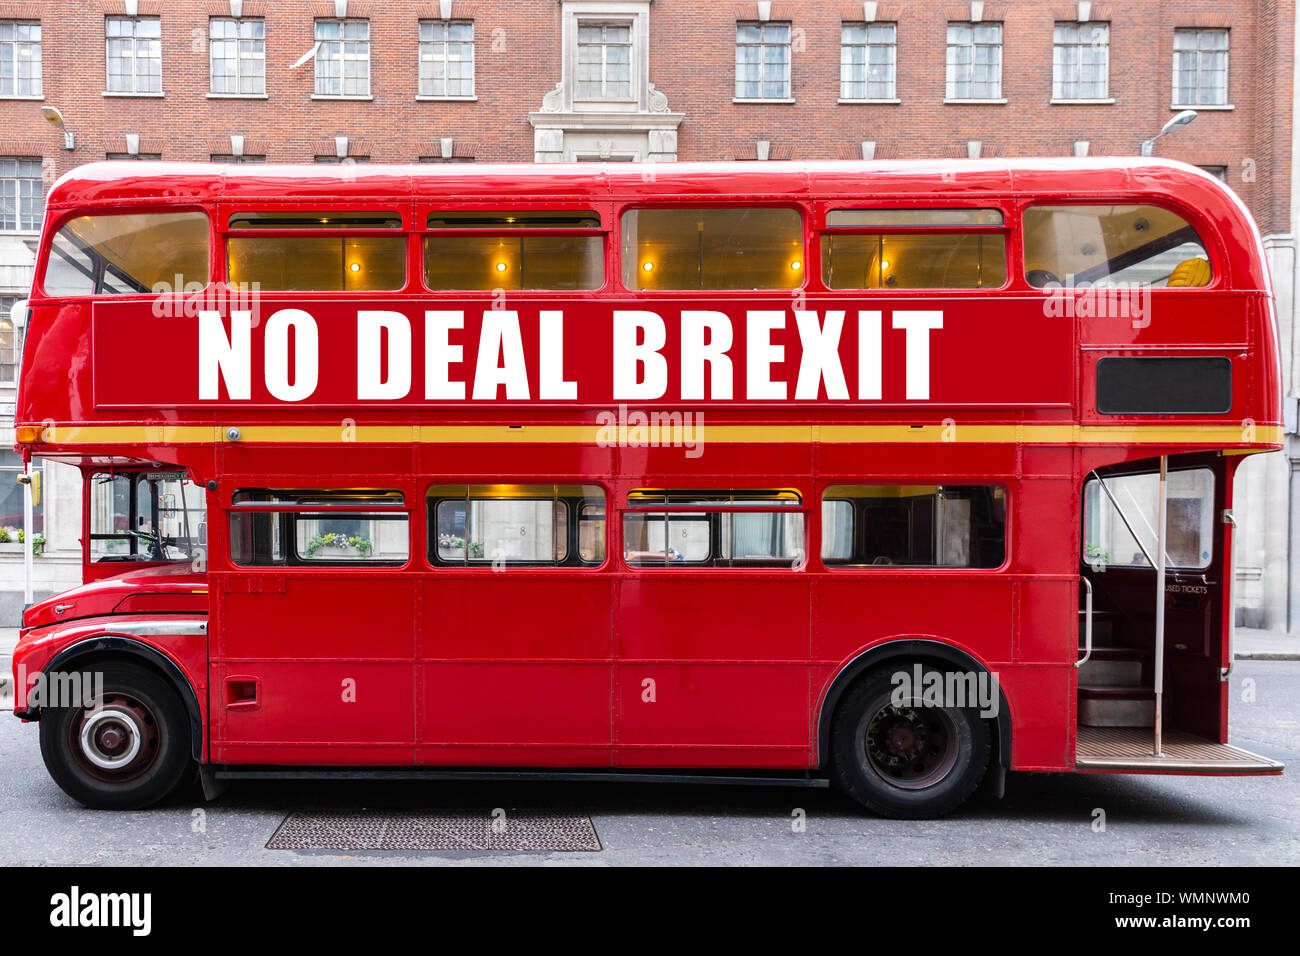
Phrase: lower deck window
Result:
[320,529]
[740,529]
[936,526]
[505,524]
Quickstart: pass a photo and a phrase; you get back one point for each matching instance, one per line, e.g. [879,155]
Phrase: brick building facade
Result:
[647,80]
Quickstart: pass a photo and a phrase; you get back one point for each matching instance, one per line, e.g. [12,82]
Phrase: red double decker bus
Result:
[888,476]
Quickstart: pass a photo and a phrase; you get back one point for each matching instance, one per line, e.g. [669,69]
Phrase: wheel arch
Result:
[117,646]
[912,650]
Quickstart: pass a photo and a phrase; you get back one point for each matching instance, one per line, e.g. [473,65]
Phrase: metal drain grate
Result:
[443,830]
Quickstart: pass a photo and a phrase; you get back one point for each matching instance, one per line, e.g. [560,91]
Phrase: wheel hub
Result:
[910,747]
[115,738]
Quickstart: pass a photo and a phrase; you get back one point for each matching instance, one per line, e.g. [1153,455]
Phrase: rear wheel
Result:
[901,757]
[125,746]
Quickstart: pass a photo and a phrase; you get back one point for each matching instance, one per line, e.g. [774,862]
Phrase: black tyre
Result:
[911,761]
[124,745]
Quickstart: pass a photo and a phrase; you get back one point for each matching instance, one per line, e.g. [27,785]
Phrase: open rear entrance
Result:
[1149,704]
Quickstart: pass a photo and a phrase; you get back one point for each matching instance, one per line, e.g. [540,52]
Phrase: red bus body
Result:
[548,667]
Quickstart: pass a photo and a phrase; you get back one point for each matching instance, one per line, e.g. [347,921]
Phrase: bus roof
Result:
[112,182]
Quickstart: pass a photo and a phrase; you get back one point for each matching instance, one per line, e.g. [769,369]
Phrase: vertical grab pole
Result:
[27,533]
[1159,681]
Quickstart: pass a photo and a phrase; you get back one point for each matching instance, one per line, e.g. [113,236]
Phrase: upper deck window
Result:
[891,218]
[945,256]
[1112,245]
[128,254]
[712,248]
[514,250]
[300,219]
[336,263]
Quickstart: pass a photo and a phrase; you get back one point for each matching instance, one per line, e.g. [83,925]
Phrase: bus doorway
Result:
[1155,642]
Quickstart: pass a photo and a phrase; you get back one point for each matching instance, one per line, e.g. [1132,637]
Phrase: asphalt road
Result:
[1044,819]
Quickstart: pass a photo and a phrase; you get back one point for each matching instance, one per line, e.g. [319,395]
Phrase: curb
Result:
[1268,656]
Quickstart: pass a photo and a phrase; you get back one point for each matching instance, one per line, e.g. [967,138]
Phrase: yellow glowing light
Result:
[648,266]
[884,263]
[796,265]
[355,267]
[501,267]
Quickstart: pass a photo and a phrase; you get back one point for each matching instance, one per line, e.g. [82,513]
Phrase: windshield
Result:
[146,516]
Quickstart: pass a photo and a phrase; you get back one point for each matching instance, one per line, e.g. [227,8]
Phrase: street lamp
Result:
[55,117]
[1178,122]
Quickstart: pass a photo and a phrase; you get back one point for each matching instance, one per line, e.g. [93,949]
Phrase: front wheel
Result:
[900,756]
[122,744]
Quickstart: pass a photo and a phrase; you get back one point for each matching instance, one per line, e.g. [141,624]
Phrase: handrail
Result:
[1087,623]
[1229,591]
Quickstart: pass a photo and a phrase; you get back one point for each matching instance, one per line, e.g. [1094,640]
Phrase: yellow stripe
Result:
[1034,434]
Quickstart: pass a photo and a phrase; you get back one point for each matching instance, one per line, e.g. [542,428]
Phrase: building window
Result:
[868,58]
[974,61]
[22,196]
[332,160]
[11,496]
[1200,67]
[237,53]
[1081,61]
[762,61]
[133,49]
[604,61]
[1218,172]
[343,58]
[133,156]
[20,58]
[9,341]
[446,159]
[232,159]
[446,58]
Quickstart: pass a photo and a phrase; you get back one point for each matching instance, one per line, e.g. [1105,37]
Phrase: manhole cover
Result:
[445,830]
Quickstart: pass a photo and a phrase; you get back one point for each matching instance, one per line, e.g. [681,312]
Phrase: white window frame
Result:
[341,58]
[954,80]
[763,46]
[244,64]
[12,187]
[133,42]
[604,23]
[1068,73]
[1178,96]
[10,357]
[867,46]
[432,48]
[13,51]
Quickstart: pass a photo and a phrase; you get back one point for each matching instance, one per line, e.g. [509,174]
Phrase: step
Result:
[1111,706]
[1103,629]
[1099,671]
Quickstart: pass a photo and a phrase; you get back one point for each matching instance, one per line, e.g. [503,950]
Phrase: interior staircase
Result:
[1115,682]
